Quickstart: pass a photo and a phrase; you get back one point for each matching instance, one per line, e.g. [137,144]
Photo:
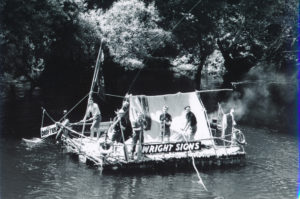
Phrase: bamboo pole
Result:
[215,90]
[75,132]
[140,145]
[96,71]
[123,138]
[119,96]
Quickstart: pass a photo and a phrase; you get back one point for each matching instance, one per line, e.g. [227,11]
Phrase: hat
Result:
[187,107]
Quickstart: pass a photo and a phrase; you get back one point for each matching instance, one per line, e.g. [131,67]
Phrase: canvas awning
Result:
[151,107]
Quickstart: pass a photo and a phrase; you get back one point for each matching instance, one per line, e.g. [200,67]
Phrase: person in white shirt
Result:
[94,112]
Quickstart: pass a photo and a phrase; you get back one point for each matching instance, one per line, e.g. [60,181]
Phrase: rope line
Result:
[135,78]
[202,91]
[177,24]
[215,90]
[119,96]
[194,165]
[74,107]
[50,116]
[43,116]
[174,27]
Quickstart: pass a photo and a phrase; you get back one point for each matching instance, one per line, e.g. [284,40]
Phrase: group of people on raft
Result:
[116,132]
[119,124]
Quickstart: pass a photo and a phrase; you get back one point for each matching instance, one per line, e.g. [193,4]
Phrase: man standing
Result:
[117,127]
[138,132]
[165,123]
[227,126]
[191,123]
[94,111]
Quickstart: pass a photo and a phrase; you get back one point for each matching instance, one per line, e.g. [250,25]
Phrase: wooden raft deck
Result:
[88,150]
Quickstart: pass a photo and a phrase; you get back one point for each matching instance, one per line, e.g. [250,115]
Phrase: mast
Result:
[94,80]
[96,70]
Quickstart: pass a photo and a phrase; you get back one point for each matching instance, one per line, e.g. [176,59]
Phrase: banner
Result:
[172,147]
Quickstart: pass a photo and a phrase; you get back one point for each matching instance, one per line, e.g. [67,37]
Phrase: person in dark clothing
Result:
[118,126]
[165,122]
[191,123]
[125,118]
[138,127]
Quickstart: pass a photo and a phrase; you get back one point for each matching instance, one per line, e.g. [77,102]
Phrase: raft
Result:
[90,152]
[199,144]
[208,148]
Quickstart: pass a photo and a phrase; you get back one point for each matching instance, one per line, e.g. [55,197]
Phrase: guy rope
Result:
[194,165]
[174,27]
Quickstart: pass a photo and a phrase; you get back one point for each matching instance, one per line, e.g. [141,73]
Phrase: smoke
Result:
[265,98]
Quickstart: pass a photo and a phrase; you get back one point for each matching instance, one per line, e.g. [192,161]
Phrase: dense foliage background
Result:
[172,45]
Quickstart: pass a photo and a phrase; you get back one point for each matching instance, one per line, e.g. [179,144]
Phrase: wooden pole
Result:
[140,145]
[75,132]
[96,71]
[164,129]
[140,140]
[123,138]
[215,90]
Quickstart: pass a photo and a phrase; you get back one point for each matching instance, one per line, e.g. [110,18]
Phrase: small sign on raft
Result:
[48,131]
[172,147]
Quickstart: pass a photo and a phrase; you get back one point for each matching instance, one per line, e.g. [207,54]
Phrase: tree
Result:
[44,37]
[255,33]
[245,32]
[25,36]
[194,24]
[132,33]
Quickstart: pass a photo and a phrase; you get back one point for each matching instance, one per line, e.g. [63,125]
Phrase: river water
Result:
[45,171]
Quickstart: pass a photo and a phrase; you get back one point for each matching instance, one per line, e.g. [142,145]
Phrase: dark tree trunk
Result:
[236,67]
[198,74]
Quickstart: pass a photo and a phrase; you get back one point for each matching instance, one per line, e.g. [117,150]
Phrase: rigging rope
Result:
[135,78]
[49,116]
[119,96]
[202,91]
[214,90]
[194,165]
[175,26]
[73,107]
[43,115]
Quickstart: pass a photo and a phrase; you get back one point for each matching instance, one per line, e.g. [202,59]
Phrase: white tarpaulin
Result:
[151,107]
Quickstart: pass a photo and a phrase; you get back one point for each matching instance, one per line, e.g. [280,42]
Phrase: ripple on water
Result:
[44,172]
